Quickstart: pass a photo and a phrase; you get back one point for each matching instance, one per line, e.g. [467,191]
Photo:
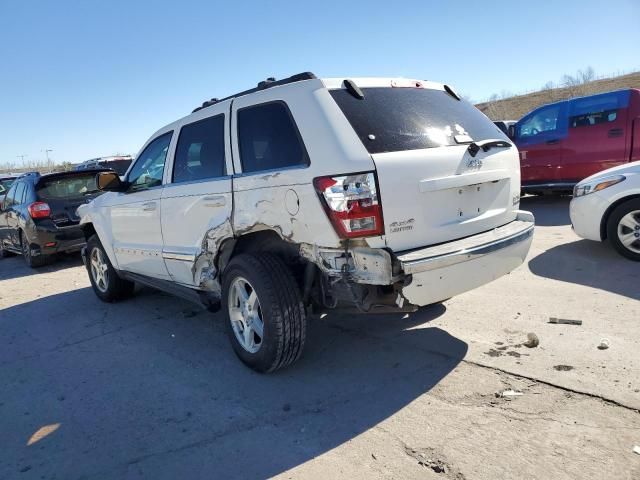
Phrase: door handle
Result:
[553,141]
[616,132]
[214,201]
[149,206]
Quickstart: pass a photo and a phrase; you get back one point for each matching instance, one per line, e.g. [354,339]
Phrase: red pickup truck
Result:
[564,142]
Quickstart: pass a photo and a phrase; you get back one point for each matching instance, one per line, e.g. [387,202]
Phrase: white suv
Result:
[305,194]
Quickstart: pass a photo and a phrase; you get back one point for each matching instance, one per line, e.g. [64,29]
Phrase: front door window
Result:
[149,167]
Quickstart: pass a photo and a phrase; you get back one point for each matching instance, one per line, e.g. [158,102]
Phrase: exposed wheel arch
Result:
[89,230]
[253,242]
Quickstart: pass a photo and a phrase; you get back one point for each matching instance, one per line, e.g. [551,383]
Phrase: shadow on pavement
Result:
[15,266]
[592,264]
[151,387]
[549,210]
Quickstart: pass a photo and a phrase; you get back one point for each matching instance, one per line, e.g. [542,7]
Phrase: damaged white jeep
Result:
[304,195]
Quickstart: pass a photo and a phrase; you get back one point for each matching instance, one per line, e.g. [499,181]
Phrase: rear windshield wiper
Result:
[486,145]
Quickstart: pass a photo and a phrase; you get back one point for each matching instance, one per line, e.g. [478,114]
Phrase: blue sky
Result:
[92,78]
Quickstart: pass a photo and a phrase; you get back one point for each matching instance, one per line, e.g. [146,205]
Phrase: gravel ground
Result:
[150,388]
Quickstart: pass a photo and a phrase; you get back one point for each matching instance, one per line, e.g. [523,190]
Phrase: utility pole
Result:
[46,152]
[21,157]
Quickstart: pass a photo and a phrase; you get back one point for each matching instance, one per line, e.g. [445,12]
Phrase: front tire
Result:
[106,283]
[266,319]
[623,229]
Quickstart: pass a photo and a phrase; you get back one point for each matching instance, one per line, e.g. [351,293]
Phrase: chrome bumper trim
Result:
[432,258]
[183,257]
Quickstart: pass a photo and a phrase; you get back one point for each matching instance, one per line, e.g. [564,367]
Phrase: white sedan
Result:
[606,206]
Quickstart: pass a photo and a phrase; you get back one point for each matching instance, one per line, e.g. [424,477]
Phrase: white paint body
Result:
[587,211]
[162,232]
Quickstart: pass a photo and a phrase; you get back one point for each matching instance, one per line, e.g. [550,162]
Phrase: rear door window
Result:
[597,109]
[269,139]
[394,119]
[200,151]
[595,118]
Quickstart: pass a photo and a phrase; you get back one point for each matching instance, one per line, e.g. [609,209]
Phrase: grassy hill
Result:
[514,108]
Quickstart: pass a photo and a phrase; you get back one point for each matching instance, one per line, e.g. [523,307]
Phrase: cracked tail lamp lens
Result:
[352,204]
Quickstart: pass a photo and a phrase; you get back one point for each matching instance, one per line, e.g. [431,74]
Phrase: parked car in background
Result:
[606,206]
[504,125]
[365,195]
[5,183]
[119,164]
[38,214]
[564,142]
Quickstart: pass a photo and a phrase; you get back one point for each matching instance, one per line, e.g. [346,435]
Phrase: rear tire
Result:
[272,306]
[31,261]
[623,229]
[106,283]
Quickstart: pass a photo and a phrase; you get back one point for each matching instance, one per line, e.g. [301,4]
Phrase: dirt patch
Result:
[429,458]
[562,368]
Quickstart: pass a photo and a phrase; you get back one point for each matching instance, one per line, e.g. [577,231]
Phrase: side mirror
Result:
[109,182]
[511,132]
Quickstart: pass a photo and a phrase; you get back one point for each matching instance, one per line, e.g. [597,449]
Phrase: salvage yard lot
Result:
[151,386]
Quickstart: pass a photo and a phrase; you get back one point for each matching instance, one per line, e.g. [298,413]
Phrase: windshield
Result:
[67,186]
[5,185]
[394,119]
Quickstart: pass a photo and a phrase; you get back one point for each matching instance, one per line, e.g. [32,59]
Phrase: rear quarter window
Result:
[269,139]
[394,119]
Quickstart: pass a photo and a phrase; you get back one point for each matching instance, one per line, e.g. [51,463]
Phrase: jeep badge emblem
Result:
[474,163]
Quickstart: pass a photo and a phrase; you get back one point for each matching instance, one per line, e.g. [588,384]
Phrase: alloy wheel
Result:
[629,231]
[245,315]
[99,270]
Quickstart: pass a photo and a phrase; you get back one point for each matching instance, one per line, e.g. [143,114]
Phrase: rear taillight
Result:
[39,210]
[352,204]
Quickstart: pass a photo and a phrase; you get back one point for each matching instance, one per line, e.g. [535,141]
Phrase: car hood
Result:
[632,168]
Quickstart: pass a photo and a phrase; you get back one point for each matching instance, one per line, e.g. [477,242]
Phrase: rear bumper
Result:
[443,271]
[48,241]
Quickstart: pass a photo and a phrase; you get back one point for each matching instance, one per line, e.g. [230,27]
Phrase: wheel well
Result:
[607,213]
[88,230]
[262,241]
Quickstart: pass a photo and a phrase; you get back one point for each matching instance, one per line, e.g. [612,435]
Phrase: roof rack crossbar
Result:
[268,83]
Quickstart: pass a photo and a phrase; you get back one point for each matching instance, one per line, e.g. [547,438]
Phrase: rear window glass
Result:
[67,187]
[119,166]
[395,119]
[269,138]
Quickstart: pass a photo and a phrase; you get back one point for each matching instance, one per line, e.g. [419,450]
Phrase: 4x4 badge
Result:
[402,226]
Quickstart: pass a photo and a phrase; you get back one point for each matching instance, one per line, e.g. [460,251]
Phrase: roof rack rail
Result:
[28,174]
[268,83]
